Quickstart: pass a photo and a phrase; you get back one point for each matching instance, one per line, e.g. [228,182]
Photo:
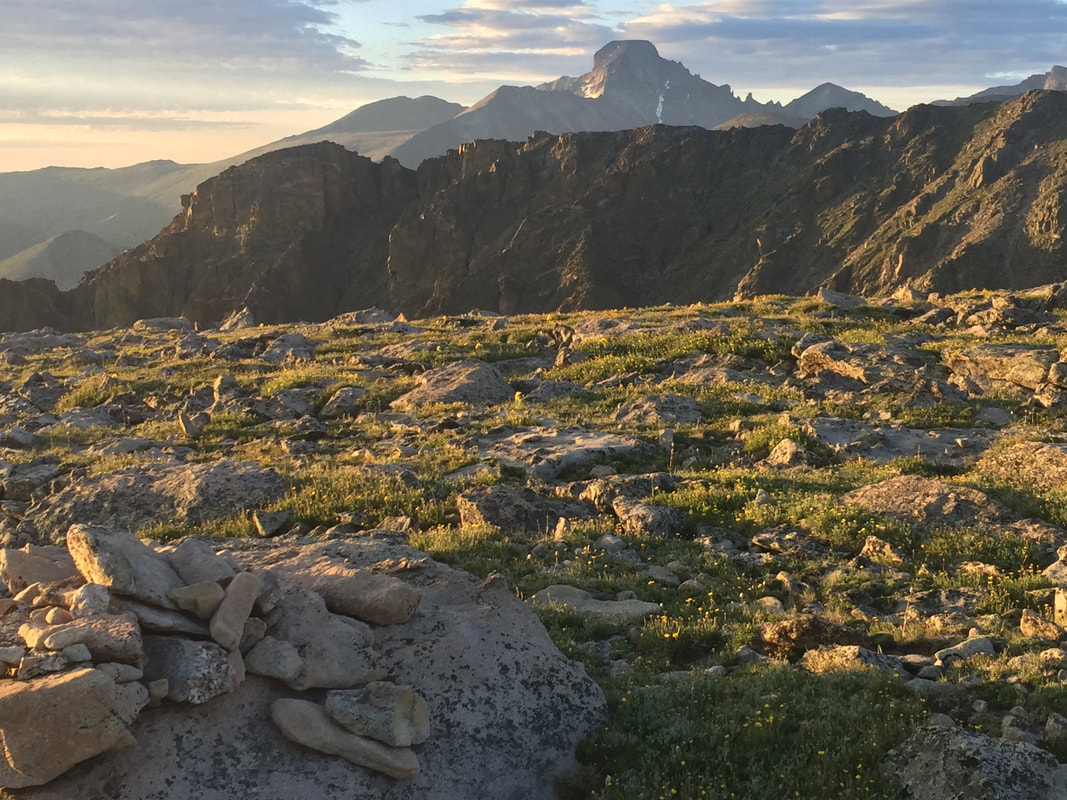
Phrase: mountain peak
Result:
[1056,79]
[634,51]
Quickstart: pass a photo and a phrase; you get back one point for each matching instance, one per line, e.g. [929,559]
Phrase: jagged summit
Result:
[627,64]
[630,86]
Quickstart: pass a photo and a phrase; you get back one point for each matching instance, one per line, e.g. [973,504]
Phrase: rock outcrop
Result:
[499,725]
[850,202]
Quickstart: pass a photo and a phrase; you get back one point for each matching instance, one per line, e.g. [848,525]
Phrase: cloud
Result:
[957,41]
[235,34]
[754,43]
[531,39]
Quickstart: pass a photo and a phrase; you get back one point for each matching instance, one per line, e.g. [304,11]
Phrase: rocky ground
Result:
[807,547]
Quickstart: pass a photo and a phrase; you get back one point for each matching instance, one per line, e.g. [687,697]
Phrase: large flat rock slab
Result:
[152,493]
[506,708]
[546,452]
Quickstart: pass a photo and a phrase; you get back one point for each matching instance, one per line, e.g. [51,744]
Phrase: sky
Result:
[116,82]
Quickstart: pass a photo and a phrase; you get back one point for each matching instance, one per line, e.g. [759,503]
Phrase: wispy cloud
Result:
[866,41]
[513,38]
[258,34]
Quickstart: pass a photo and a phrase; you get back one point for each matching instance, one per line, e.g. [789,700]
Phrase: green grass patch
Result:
[766,733]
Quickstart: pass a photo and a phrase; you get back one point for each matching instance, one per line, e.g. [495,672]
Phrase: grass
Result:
[767,732]
[674,729]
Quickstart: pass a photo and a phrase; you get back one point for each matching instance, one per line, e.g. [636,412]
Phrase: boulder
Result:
[574,599]
[474,382]
[507,708]
[941,761]
[157,493]
[20,568]
[123,563]
[195,671]
[308,724]
[372,597]
[108,637]
[791,638]
[838,658]
[50,724]
[228,621]
[343,403]
[334,654]
[546,452]
[927,501]
[1033,464]
[965,650]
[159,620]
[644,520]
[788,454]
[196,562]
[274,658]
[514,510]
[658,409]
[391,714]
[1031,624]
[201,598]
[984,368]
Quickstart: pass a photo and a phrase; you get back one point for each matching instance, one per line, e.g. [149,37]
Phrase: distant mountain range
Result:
[630,86]
[937,198]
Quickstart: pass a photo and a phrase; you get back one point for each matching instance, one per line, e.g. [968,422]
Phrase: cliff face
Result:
[938,198]
[581,221]
[296,234]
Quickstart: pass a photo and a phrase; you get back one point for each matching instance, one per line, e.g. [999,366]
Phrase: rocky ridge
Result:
[927,200]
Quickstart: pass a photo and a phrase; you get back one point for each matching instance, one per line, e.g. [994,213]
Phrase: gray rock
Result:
[787,454]
[837,658]
[52,723]
[196,562]
[655,409]
[159,620]
[109,637]
[926,500]
[153,493]
[942,761]
[273,658]
[343,403]
[123,563]
[290,347]
[575,599]
[986,367]
[391,714]
[965,650]
[500,696]
[472,382]
[546,452]
[514,510]
[308,724]
[642,519]
[195,671]
[334,654]
[201,599]
[228,621]
[20,568]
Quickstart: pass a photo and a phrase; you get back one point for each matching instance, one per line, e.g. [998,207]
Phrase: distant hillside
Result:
[757,118]
[373,130]
[126,206]
[63,259]
[830,95]
[940,199]
[1053,80]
